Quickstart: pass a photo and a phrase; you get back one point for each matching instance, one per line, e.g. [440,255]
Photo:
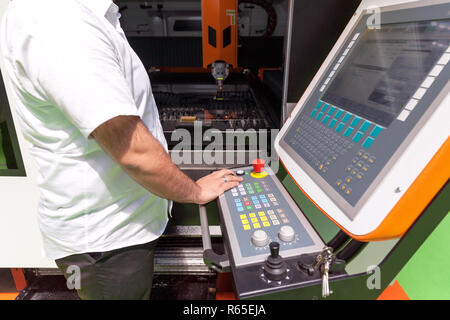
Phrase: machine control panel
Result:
[260,211]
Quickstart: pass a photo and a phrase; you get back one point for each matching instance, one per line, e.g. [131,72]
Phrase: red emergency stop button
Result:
[258,165]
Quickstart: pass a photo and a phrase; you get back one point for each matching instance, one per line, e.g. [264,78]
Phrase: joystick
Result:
[275,268]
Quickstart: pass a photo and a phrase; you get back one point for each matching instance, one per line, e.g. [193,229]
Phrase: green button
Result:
[249,207]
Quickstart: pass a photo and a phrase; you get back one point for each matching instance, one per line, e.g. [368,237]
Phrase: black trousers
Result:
[122,274]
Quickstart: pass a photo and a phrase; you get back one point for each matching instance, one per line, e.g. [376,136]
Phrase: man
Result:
[84,102]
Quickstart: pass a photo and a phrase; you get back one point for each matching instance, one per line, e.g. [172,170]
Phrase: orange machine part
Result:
[414,201]
[219,31]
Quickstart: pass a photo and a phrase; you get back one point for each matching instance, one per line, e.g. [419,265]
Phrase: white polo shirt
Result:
[72,69]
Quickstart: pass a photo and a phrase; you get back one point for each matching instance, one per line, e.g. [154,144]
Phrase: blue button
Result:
[348,132]
[325,107]
[263,200]
[365,126]
[238,204]
[338,114]
[368,142]
[325,119]
[355,122]
[240,209]
[346,117]
[319,116]
[376,131]
[332,123]
[340,127]
[262,196]
[237,200]
[254,197]
[313,113]
[330,112]
[358,136]
[318,104]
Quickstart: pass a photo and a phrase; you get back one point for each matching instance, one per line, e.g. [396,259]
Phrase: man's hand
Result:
[127,140]
[216,183]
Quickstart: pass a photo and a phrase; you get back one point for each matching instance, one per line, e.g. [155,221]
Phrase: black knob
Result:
[274,249]
[275,268]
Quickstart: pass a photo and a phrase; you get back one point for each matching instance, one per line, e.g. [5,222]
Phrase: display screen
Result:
[386,67]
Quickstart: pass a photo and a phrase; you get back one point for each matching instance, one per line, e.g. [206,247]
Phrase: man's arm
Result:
[128,141]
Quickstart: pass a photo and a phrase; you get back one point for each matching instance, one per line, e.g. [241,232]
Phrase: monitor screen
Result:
[386,67]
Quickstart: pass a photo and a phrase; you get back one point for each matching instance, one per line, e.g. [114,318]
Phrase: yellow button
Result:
[252,215]
[348,191]
[339,183]
[247,227]
[243,216]
[263,218]
[343,187]
[266,224]
[256,225]
[261,213]
[348,179]
[245,221]
[254,219]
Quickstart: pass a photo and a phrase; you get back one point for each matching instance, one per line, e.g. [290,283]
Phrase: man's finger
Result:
[230,178]
[225,172]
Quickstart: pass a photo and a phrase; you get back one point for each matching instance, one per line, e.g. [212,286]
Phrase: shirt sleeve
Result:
[81,72]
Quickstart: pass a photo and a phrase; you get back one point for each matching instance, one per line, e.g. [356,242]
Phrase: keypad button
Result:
[365,126]
[256,225]
[346,117]
[376,131]
[339,127]
[368,142]
[348,131]
[355,121]
[358,136]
